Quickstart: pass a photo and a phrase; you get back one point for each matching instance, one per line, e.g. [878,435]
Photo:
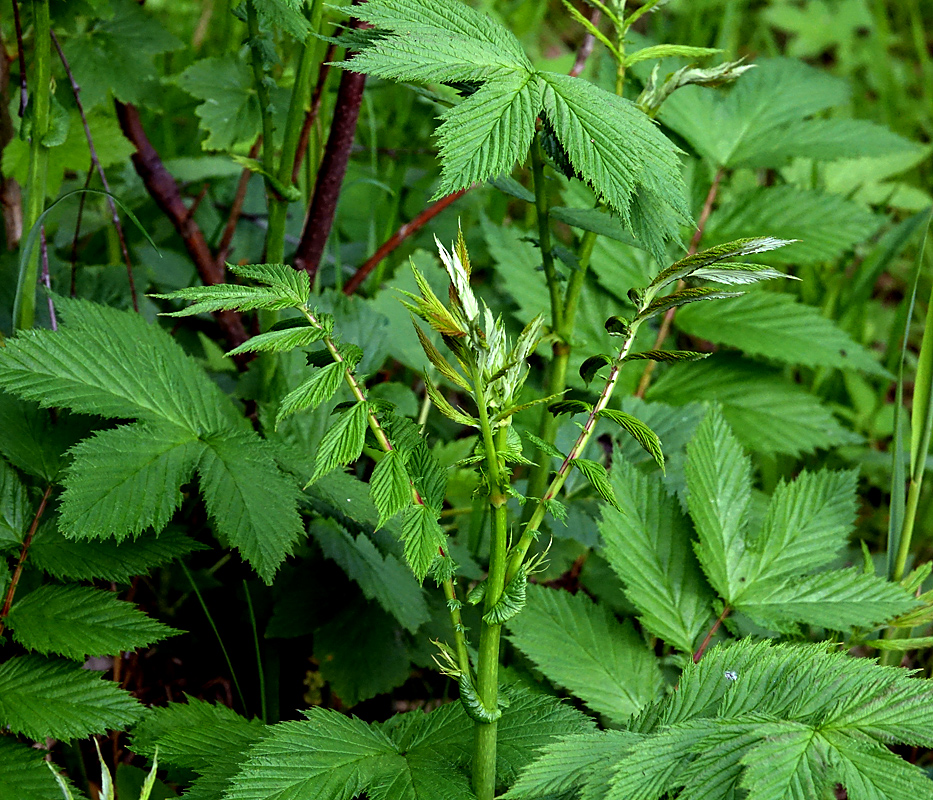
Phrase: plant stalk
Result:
[24,551]
[24,308]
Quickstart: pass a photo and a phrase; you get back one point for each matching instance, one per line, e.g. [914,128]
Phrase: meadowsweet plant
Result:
[538,428]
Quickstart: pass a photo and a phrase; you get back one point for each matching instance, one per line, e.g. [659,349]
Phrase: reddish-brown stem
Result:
[14,581]
[586,49]
[330,175]
[223,249]
[668,321]
[311,117]
[397,238]
[709,636]
[95,161]
[164,191]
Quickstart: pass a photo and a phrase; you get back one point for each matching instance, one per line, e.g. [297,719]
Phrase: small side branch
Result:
[709,636]
[24,551]
[163,189]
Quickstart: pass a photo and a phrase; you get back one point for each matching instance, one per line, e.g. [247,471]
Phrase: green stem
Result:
[24,309]
[301,94]
[264,711]
[542,210]
[529,534]
[487,684]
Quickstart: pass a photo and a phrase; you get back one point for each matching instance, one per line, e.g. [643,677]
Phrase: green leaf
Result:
[210,739]
[31,442]
[437,42]
[444,406]
[570,762]
[15,511]
[343,441]
[640,432]
[545,447]
[128,37]
[251,503]
[766,412]
[327,756]
[719,485]
[422,537]
[838,599]
[390,486]
[826,225]
[281,341]
[319,388]
[676,299]
[778,327]
[113,363]
[76,621]
[649,548]
[53,698]
[874,772]
[226,296]
[596,474]
[472,145]
[229,111]
[592,365]
[24,773]
[592,219]
[667,356]
[582,647]
[284,14]
[362,654]
[590,122]
[510,603]
[107,560]
[382,578]
[714,259]
[127,479]
[738,128]
[669,51]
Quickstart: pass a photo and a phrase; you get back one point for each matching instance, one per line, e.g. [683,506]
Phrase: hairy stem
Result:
[24,308]
[24,551]
[487,683]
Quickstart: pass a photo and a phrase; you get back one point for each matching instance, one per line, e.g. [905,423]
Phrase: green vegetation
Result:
[430,399]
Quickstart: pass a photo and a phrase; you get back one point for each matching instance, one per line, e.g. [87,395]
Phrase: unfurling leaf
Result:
[596,474]
[570,407]
[592,365]
[510,603]
[666,356]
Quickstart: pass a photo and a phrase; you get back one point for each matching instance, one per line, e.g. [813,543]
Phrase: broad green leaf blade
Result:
[113,363]
[292,285]
[251,503]
[210,739]
[838,600]
[24,773]
[767,413]
[825,225]
[127,479]
[343,441]
[107,559]
[76,621]
[53,698]
[488,132]
[130,38]
[648,547]
[31,442]
[390,486]
[582,647]
[736,129]
[807,524]
[719,492]
[423,539]
[382,578]
[873,772]
[437,41]
[778,327]
[589,123]
[421,776]
[327,756]
[570,762]
[786,764]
